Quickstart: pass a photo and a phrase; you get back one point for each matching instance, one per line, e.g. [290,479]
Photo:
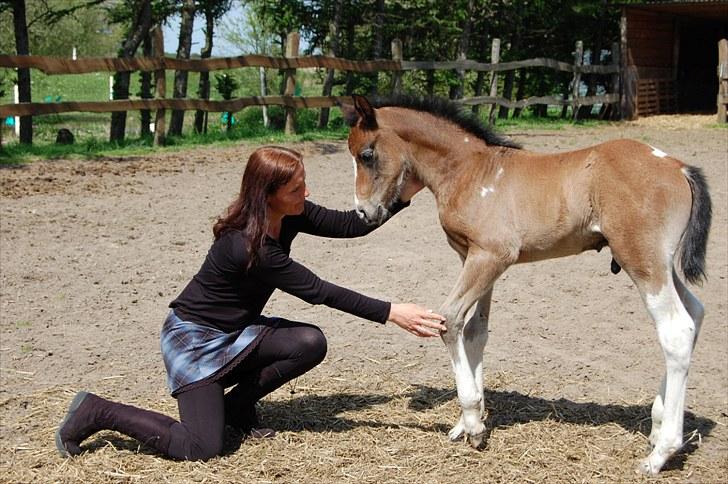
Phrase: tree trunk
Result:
[430,87]
[520,91]
[458,90]
[507,93]
[378,42]
[350,36]
[138,30]
[22,48]
[480,79]
[334,26]
[184,49]
[203,91]
[146,89]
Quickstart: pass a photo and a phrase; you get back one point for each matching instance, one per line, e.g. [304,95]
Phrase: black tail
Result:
[695,239]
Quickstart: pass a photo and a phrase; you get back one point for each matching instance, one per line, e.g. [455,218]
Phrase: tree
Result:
[137,31]
[22,48]
[333,51]
[212,10]
[250,35]
[184,48]
[80,23]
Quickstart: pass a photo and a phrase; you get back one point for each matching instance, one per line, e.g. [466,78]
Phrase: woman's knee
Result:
[312,343]
[205,450]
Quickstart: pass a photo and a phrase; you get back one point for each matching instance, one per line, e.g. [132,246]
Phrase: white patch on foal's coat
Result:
[484,191]
[658,153]
[467,140]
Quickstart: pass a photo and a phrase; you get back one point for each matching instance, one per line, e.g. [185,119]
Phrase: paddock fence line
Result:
[289,64]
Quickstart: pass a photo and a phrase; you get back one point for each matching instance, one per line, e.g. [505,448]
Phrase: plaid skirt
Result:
[196,355]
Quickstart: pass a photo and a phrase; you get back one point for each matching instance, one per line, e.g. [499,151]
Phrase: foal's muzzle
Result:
[372,215]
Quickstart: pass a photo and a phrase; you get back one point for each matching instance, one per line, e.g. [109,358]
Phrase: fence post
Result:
[494,59]
[16,95]
[722,80]
[292,41]
[576,83]
[161,85]
[397,57]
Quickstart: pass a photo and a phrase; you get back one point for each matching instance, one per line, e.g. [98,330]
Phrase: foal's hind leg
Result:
[676,331]
[695,308]
[475,337]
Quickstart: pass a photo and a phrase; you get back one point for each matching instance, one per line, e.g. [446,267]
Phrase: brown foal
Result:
[500,205]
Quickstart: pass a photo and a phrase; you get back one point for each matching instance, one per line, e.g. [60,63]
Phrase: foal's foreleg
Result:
[465,340]
[475,337]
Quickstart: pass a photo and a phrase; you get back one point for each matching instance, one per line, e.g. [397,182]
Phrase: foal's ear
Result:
[348,111]
[365,112]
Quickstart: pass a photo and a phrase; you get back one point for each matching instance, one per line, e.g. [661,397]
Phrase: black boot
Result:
[240,414]
[89,413]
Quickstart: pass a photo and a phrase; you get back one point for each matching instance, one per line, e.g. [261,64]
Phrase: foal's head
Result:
[381,167]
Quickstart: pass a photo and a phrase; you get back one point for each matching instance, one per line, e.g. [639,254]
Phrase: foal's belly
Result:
[532,251]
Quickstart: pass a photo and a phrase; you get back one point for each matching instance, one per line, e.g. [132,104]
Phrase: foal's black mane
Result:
[449,110]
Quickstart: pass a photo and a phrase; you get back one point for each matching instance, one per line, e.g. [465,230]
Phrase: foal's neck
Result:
[441,151]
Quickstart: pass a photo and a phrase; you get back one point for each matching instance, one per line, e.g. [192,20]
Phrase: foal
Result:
[500,205]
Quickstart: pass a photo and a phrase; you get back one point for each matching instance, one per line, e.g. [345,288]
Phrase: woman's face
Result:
[289,198]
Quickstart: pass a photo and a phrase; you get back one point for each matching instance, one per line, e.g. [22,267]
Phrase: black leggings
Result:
[284,353]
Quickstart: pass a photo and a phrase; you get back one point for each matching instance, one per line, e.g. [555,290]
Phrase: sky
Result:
[220,48]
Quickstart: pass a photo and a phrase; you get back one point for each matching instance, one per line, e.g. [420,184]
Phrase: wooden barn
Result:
[670,56]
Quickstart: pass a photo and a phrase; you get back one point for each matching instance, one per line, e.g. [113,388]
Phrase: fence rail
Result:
[289,64]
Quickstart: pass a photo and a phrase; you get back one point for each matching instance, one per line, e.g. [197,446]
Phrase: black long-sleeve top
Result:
[225,295]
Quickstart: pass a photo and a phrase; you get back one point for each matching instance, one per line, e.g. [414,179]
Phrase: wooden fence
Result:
[289,64]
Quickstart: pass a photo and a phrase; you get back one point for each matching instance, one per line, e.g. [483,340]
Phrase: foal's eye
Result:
[367,156]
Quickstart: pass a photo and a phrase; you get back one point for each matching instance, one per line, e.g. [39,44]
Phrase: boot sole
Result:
[75,403]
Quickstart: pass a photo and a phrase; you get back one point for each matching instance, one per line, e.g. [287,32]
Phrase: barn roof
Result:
[701,9]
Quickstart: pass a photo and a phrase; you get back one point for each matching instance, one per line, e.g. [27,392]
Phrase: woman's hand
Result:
[418,321]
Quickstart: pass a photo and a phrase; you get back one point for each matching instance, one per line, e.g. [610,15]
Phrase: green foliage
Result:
[226,85]
[87,29]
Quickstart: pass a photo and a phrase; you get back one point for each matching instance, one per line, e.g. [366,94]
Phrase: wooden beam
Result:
[233,105]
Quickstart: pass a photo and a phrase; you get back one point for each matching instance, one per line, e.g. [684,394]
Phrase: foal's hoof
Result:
[647,469]
[457,431]
[477,441]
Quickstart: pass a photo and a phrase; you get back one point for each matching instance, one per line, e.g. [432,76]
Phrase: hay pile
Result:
[367,429]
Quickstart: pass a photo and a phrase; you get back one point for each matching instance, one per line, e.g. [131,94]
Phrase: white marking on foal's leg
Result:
[695,308]
[658,153]
[676,332]
[470,399]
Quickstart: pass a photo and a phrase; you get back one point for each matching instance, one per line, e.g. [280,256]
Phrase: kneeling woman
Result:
[215,336]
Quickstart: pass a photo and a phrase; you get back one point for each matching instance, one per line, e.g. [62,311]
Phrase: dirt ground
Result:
[93,251]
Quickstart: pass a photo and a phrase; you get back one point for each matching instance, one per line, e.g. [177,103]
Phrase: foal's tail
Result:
[695,238]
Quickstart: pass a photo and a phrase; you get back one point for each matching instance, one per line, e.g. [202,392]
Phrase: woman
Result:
[215,336]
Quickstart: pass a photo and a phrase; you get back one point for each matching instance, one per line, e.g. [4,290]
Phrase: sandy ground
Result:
[93,251]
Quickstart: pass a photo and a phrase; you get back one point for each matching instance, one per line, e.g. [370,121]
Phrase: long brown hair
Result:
[268,168]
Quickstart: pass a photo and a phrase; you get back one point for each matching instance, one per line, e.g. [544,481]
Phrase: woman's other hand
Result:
[418,321]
